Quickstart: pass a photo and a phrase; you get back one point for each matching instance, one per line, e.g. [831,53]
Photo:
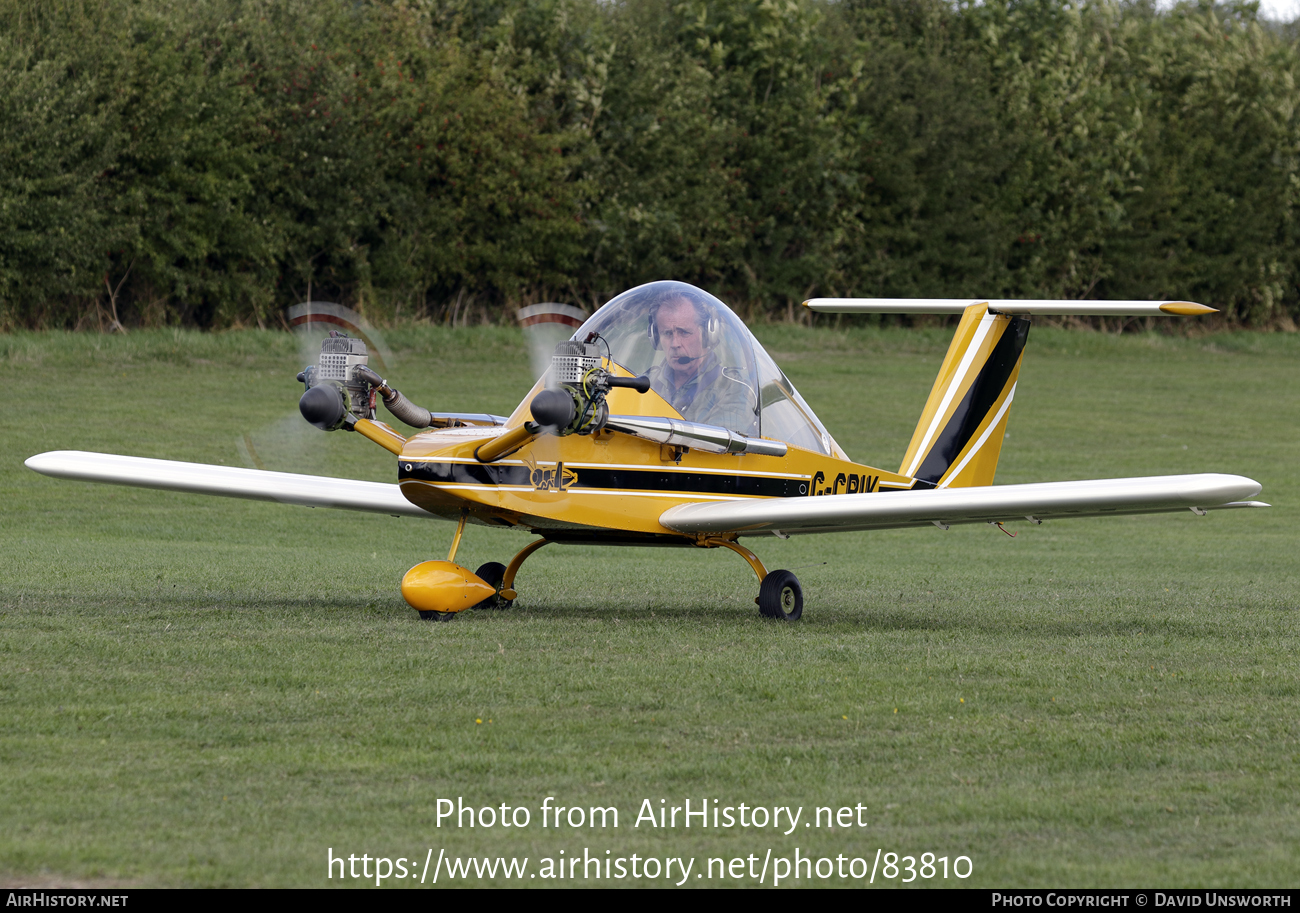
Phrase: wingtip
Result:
[1187,309]
[35,462]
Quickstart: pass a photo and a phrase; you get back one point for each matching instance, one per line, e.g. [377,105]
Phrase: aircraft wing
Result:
[991,504]
[226,481]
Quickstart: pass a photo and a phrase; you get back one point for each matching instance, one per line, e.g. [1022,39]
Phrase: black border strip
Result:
[617,479]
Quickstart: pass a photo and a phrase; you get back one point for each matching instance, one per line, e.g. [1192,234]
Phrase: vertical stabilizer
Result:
[959,437]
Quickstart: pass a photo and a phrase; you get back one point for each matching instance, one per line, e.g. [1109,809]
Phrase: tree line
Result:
[208,163]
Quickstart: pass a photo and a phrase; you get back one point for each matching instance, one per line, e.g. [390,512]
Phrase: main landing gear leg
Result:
[496,574]
[507,591]
[460,531]
[779,593]
[739,550]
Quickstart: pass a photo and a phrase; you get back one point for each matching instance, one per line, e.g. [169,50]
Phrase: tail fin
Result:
[958,440]
[959,437]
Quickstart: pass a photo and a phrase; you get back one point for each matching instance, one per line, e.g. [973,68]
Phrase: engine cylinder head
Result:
[572,360]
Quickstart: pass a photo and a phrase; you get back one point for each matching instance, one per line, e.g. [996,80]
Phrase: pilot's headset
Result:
[712,326]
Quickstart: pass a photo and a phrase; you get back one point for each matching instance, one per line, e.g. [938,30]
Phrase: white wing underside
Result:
[991,504]
[226,481]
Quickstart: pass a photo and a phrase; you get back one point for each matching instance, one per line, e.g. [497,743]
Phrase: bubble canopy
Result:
[702,359]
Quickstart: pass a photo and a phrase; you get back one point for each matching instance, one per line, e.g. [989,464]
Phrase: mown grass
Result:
[206,692]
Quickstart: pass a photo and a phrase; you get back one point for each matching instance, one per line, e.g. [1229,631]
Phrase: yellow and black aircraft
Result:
[663,421]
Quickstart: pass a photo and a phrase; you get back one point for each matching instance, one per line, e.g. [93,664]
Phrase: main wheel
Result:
[493,574]
[780,596]
[437,616]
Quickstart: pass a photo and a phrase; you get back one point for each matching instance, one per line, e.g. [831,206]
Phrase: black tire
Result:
[437,616]
[493,573]
[781,596]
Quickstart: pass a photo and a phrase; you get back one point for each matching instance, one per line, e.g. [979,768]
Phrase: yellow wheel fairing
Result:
[443,586]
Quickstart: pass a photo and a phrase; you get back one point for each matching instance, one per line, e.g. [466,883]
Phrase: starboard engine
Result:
[576,405]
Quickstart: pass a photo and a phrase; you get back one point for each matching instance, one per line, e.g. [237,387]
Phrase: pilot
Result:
[691,378]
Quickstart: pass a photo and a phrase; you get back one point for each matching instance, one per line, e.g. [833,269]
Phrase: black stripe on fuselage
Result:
[590,477]
[977,402]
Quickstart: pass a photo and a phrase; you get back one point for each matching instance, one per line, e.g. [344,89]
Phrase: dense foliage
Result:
[213,161]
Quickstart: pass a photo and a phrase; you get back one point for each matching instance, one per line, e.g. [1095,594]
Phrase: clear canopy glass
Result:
[702,359]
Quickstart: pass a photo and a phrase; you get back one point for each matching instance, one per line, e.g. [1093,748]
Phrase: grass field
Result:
[198,691]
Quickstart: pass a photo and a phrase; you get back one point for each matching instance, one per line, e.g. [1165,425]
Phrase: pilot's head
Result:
[685,330]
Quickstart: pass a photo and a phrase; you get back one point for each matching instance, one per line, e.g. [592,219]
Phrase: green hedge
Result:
[210,162]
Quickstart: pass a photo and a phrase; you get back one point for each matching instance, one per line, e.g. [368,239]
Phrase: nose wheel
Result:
[493,574]
[427,615]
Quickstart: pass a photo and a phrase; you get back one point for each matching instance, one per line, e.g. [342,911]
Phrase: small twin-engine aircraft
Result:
[663,421]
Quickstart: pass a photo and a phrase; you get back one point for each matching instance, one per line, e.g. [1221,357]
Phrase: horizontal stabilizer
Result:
[991,504]
[226,481]
[1016,307]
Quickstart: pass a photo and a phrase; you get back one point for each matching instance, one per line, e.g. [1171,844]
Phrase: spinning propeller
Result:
[288,444]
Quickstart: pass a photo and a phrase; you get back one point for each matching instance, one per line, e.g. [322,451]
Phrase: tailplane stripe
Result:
[986,323]
[983,439]
[980,398]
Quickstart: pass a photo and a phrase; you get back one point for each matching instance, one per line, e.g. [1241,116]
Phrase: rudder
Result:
[958,439]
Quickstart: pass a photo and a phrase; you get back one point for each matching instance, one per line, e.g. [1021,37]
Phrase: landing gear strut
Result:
[779,596]
[502,577]
[508,578]
[779,593]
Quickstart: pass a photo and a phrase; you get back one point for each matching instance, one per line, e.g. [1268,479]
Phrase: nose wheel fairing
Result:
[443,587]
